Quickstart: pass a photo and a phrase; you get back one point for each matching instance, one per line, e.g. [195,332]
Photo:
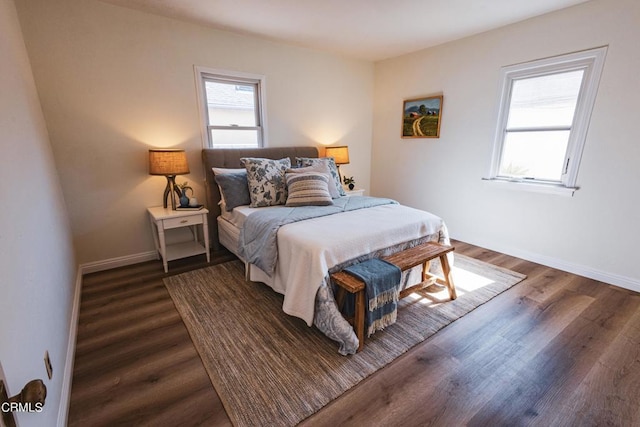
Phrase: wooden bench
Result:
[405,260]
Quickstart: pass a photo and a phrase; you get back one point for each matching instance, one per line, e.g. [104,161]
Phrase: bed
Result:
[309,248]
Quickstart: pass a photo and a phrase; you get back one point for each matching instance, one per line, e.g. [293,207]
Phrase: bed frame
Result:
[230,158]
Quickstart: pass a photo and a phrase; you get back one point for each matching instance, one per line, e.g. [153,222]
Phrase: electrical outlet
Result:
[47,364]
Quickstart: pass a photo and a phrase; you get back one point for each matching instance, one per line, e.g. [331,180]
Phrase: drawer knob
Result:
[184,221]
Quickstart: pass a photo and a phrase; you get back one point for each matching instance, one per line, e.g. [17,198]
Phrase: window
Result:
[545,107]
[232,106]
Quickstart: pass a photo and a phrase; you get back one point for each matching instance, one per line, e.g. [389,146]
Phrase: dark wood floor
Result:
[555,350]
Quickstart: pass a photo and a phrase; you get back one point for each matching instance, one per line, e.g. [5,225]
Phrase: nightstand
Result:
[354,192]
[165,219]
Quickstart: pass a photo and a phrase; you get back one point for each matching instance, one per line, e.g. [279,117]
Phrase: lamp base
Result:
[169,190]
[339,174]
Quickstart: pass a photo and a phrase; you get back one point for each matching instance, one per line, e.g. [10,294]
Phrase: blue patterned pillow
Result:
[330,163]
[267,185]
[308,189]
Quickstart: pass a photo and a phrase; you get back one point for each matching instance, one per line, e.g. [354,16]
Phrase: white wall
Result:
[36,258]
[593,233]
[114,82]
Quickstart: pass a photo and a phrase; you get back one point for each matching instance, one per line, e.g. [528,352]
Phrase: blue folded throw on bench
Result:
[382,282]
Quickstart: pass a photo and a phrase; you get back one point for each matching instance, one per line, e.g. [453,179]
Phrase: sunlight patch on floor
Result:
[465,282]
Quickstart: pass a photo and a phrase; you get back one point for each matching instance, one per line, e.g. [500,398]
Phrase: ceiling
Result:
[363,29]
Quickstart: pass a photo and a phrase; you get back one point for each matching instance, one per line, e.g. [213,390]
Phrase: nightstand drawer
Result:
[182,222]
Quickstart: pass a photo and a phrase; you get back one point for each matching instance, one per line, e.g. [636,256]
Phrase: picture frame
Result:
[421,117]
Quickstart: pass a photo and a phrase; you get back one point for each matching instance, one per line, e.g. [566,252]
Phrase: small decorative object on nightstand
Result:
[163,218]
[184,198]
[349,182]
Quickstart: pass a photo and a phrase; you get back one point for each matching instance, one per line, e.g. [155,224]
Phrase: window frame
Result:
[204,74]
[592,62]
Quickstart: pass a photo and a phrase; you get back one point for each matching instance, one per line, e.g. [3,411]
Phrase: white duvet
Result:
[308,249]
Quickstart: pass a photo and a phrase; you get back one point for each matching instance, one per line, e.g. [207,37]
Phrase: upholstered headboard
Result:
[230,158]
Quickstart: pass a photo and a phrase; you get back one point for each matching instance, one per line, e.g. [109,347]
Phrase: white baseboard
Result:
[579,269]
[65,394]
[108,264]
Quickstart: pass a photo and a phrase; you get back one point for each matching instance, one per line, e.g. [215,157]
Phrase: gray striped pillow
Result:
[308,189]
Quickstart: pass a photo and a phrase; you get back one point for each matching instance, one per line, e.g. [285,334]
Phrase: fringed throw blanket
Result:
[382,280]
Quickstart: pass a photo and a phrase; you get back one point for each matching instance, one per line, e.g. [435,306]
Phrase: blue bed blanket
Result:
[258,236]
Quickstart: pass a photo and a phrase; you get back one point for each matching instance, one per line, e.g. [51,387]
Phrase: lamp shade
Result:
[168,162]
[340,154]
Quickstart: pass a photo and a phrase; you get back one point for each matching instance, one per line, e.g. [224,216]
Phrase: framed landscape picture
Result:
[421,117]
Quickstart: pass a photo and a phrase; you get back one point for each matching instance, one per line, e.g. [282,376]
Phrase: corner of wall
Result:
[65,396]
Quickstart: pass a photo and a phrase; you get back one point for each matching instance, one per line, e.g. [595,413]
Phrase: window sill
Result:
[534,187]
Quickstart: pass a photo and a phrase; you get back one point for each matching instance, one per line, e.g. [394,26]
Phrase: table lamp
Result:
[340,155]
[168,163]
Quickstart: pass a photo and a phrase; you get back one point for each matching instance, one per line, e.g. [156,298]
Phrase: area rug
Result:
[272,369]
